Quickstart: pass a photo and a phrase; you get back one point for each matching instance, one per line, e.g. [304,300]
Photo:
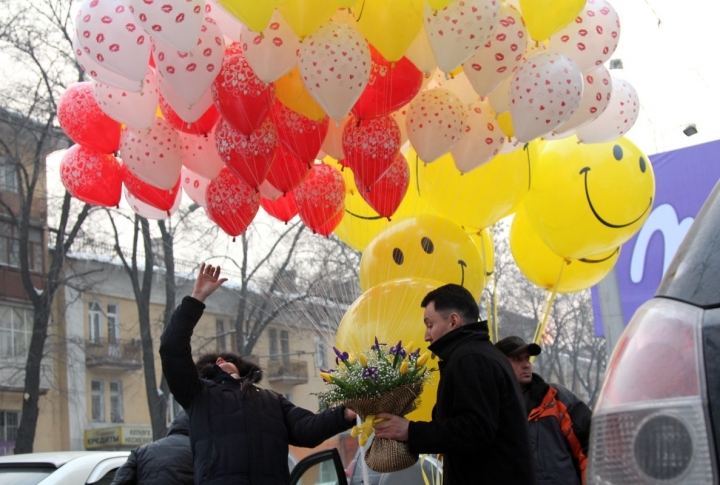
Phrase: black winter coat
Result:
[167,460]
[478,422]
[555,461]
[239,432]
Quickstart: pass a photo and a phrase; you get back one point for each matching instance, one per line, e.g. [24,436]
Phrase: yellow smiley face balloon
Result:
[546,269]
[423,246]
[391,312]
[587,199]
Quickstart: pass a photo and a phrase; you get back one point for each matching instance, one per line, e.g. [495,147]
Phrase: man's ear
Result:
[455,320]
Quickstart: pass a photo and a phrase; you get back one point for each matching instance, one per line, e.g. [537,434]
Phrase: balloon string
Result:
[549,300]
[362,8]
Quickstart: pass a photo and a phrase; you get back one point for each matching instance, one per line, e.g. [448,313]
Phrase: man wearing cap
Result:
[559,421]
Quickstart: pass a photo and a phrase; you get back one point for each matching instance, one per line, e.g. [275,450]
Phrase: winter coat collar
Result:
[250,374]
[444,346]
[537,389]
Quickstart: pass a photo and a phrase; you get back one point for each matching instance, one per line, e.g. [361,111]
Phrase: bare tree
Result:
[34,36]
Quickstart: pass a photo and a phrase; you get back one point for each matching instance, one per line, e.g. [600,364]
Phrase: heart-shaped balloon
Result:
[320,196]
[83,121]
[388,191]
[231,203]
[248,156]
[283,208]
[287,171]
[370,147]
[301,135]
[148,211]
[91,176]
[161,199]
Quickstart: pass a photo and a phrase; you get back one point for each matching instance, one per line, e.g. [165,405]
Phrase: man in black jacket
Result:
[478,422]
[167,460]
[239,432]
[559,421]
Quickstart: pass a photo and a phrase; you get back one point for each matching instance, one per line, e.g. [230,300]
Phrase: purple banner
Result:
[683,180]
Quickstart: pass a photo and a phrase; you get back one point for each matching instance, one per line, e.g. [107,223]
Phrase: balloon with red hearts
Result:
[249,156]
[320,196]
[329,226]
[202,126]
[287,172]
[231,203]
[84,122]
[387,193]
[283,208]
[154,155]
[301,135]
[391,86]
[370,147]
[151,195]
[92,177]
[240,96]
[149,212]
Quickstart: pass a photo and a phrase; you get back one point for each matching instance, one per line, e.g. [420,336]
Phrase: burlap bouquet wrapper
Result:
[386,455]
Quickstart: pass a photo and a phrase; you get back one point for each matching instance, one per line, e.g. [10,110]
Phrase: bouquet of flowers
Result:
[381,380]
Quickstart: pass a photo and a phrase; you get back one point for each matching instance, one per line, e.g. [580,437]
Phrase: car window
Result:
[106,479]
[22,476]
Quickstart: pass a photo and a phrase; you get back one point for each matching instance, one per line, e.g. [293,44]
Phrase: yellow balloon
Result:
[390,26]
[543,18]
[543,267]
[346,3]
[588,199]
[438,4]
[306,16]
[256,15]
[291,92]
[391,312]
[480,198]
[506,125]
[423,246]
[361,224]
[484,242]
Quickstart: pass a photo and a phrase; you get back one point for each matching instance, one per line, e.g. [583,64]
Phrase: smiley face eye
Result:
[427,245]
[398,256]
[643,164]
[618,153]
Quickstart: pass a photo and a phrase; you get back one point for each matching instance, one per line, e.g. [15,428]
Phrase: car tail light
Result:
[651,422]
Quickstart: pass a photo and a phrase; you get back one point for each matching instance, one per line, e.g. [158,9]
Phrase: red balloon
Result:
[151,195]
[84,122]
[301,135]
[249,156]
[92,177]
[391,86]
[370,147]
[231,203]
[287,171]
[240,96]
[387,193]
[202,126]
[328,227]
[283,208]
[320,196]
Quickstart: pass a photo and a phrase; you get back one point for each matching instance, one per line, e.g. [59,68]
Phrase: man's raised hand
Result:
[207,282]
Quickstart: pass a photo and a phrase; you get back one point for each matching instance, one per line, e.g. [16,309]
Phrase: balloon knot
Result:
[435,12]
[233,238]
[262,36]
[392,65]
[389,220]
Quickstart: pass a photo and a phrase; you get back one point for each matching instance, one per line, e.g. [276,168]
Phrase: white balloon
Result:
[155,155]
[435,122]
[146,210]
[335,63]
[420,53]
[620,115]
[544,93]
[482,139]
[194,186]
[500,97]
[187,113]
[271,53]
[200,155]
[134,109]
[100,73]
[231,26]
[460,29]
[597,89]
[174,23]
[458,84]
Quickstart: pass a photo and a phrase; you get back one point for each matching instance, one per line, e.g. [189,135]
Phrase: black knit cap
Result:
[513,346]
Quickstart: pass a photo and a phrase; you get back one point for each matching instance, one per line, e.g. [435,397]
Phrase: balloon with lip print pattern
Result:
[136,109]
[271,53]
[435,122]
[459,30]
[90,176]
[231,26]
[174,23]
[154,155]
[194,186]
[100,73]
[544,93]
[111,36]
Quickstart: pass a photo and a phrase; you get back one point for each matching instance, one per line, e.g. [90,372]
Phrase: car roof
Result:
[57,459]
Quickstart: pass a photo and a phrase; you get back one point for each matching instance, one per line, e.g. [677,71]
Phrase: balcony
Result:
[287,372]
[114,355]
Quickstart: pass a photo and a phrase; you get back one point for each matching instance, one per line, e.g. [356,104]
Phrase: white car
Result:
[61,468]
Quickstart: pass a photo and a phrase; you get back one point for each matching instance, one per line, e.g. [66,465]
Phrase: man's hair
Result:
[454,298]
[206,362]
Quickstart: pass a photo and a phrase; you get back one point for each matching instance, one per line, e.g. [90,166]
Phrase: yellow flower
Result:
[404,367]
[326,377]
[363,360]
[351,359]
[409,347]
[423,359]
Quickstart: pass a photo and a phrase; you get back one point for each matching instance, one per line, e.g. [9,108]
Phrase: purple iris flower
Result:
[344,356]
[377,345]
[415,354]
[398,349]
[371,372]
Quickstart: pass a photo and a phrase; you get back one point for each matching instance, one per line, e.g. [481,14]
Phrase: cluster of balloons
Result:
[386,122]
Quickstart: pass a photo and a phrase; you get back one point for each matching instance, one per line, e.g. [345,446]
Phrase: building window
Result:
[95,315]
[285,345]
[15,330]
[320,353]
[9,422]
[113,323]
[289,396]
[97,397]
[10,247]
[272,333]
[116,402]
[173,410]
[8,175]
[220,333]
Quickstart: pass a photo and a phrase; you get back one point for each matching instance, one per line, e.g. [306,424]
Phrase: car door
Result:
[321,468]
